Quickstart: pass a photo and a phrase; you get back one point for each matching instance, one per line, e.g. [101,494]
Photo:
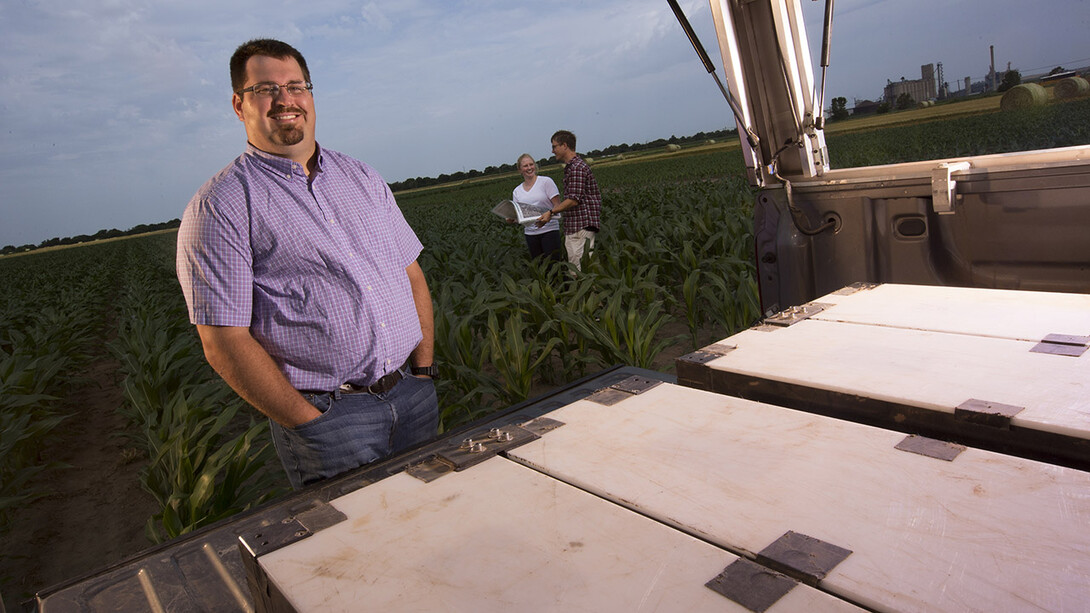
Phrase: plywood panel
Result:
[985,532]
[500,537]
[931,370]
[1021,315]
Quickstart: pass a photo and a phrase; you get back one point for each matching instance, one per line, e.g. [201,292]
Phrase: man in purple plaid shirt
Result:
[300,274]
[582,204]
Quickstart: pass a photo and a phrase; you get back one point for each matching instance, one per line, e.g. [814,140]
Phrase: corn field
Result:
[672,270]
[669,257]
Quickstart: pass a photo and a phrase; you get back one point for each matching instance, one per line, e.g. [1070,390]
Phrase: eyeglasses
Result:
[272,90]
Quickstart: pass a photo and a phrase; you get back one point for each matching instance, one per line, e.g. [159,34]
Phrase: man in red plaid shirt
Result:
[582,204]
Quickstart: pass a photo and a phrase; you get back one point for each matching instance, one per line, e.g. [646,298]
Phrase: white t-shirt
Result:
[538,196]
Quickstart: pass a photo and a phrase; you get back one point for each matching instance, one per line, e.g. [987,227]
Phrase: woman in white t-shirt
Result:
[539,193]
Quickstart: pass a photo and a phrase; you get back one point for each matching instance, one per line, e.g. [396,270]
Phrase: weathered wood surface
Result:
[984,532]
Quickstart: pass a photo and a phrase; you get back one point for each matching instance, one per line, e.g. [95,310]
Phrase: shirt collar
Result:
[282,165]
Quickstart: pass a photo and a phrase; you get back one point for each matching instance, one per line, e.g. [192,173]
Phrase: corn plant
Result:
[198,473]
[513,354]
[206,461]
[22,432]
[624,333]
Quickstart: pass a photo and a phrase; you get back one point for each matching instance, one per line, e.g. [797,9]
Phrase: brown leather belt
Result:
[381,386]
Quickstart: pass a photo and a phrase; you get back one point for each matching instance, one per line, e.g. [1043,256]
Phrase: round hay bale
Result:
[711,141]
[1071,87]
[671,148]
[1024,96]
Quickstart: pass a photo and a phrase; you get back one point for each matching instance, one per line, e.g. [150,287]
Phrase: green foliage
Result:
[506,325]
[1010,79]
[206,461]
[675,254]
[47,328]
[1059,124]
[208,457]
[839,108]
[198,472]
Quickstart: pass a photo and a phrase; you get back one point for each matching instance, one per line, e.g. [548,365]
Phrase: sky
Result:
[116,111]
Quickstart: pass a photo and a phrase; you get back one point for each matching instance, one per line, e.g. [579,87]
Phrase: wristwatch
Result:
[432,371]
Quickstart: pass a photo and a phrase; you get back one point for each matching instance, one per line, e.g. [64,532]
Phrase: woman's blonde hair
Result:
[518,162]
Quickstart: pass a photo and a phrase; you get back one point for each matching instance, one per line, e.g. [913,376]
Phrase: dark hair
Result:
[565,138]
[262,46]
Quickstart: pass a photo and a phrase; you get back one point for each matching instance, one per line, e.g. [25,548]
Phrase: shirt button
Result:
[383,325]
[369,288]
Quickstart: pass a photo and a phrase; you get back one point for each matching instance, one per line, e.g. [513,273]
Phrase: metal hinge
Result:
[266,539]
[930,447]
[706,354]
[943,187]
[692,370]
[751,585]
[987,413]
[802,557]
[1063,344]
[859,286]
[791,559]
[624,389]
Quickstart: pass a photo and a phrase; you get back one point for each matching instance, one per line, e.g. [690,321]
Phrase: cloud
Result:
[120,109]
[375,17]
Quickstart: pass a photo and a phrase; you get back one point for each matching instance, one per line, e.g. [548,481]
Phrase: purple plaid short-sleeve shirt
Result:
[316,269]
[580,185]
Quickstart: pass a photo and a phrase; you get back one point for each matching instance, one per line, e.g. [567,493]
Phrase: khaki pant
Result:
[577,243]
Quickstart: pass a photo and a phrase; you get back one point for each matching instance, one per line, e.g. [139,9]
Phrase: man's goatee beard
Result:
[288,136]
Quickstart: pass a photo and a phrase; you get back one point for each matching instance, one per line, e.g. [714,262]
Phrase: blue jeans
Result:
[357,429]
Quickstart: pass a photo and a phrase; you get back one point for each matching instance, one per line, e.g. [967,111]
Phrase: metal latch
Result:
[943,186]
[471,450]
[796,314]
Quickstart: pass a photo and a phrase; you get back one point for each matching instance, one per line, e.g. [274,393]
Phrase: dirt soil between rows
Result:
[94,513]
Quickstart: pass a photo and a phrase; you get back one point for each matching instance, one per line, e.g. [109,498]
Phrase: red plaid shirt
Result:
[580,186]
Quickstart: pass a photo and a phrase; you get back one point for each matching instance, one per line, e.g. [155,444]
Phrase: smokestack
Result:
[991,49]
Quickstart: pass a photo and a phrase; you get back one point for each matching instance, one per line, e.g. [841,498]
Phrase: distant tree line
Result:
[414,183]
[86,238]
[612,150]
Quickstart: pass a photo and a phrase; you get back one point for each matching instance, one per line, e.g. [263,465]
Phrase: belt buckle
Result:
[385,384]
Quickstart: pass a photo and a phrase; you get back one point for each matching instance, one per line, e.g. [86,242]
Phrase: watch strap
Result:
[432,371]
